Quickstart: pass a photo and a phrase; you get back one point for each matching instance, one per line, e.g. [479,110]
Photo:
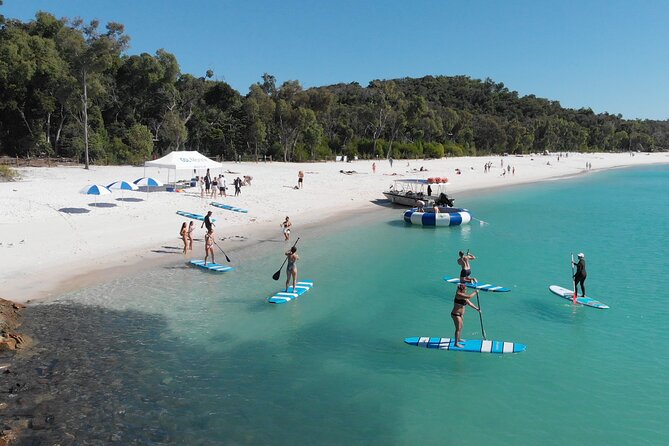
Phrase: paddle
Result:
[573,299]
[226,256]
[278,273]
[480,315]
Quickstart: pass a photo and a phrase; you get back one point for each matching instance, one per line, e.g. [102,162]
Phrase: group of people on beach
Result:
[211,187]
[462,299]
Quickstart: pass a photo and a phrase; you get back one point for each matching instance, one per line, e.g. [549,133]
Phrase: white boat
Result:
[408,192]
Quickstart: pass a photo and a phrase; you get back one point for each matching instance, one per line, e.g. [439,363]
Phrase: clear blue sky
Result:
[608,55]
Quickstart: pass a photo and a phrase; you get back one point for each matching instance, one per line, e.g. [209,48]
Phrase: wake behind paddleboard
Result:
[478,285]
[569,295]
[215,267]
[291,293]
[470,345]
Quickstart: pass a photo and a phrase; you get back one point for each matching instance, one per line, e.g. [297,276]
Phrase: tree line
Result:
[68,88]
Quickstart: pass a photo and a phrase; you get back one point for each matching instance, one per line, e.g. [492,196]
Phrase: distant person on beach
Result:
[429,190]
[581,274]
[373,167]
[291,268]
[300,179]
[191,228]
[201,184]
[209,246]
[184,235]
[238,186]
[207,182]
[286,228]
[466,270]
[207,222]
[214,187]
[462,300]
[390,160]
[221,186]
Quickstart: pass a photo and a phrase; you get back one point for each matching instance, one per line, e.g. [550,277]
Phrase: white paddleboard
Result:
[569,295]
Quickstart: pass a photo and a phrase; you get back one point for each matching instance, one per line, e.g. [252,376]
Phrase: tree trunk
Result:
[85,110]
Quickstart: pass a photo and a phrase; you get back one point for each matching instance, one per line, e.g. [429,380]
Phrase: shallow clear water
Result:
[180,356]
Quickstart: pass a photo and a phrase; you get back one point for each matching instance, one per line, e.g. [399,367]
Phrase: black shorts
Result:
[465,273]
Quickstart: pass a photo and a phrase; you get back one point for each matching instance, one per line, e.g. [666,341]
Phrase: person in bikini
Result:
[286,228]
[191,228]
[209,246]
[462,300]
[183,233]
[466,271]
[291,267]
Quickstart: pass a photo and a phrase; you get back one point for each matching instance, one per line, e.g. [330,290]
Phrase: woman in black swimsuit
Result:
[457,313]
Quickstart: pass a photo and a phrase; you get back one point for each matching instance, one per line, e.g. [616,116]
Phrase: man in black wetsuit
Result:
[207,222]
[581,273]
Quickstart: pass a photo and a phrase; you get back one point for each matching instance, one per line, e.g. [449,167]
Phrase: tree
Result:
[90,53]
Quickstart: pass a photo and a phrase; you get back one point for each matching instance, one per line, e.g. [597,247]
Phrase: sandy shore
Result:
[54,239]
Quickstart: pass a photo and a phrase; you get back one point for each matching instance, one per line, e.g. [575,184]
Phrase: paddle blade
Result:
[276,275]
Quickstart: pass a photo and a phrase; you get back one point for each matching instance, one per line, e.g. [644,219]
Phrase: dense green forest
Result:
[69,89]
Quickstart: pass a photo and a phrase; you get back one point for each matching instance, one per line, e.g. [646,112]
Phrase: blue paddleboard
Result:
[216,267]
[569,295]
[193,216]
[293,293]
[470,345]
[228,207]
[478,285]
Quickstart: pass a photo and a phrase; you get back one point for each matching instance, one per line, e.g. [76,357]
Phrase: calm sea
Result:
[179,356]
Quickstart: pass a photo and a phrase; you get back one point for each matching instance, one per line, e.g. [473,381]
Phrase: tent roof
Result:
[184,160]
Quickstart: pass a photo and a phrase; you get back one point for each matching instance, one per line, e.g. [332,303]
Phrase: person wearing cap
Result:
[462,299]
[581,273]
[465,271]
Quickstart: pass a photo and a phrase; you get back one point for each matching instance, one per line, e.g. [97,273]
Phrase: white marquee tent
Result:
[183,160]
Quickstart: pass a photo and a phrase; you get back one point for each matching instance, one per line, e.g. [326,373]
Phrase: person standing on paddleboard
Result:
[209,246]
[581,273]
[462,299]
[291,267]
[466,271]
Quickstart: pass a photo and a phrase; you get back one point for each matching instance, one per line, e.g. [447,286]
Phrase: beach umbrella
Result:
[122,186]
[148,182]
[95,189]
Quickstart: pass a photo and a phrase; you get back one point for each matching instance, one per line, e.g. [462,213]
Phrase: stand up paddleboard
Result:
[193,216]
[293,293]
[470,345]
[215,267]
[228,207]
[477,285]
[569,295]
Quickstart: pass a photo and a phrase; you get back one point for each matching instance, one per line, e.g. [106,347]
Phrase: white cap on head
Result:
[581,255]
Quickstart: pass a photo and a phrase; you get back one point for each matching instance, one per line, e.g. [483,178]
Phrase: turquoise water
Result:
[179,356]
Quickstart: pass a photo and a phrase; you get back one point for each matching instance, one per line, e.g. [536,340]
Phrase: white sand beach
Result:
[52,238]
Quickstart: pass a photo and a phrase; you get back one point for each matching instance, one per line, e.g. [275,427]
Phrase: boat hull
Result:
[446,217]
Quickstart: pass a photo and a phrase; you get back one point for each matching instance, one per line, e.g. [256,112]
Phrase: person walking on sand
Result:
[286,228]
[461,300]
[466,270]
[300,179]
[291,267]
[209,246]
[581,274]
[373,167]
[207,222]
[191,228]
[183,233]
[238,186]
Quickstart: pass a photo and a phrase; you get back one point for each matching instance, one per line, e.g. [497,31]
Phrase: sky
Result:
[608,55]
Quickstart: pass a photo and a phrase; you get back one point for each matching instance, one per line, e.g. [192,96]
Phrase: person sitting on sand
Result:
[466,271]
[461,300]
[184,236]
[209,246]
[247,180]
[291,268]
